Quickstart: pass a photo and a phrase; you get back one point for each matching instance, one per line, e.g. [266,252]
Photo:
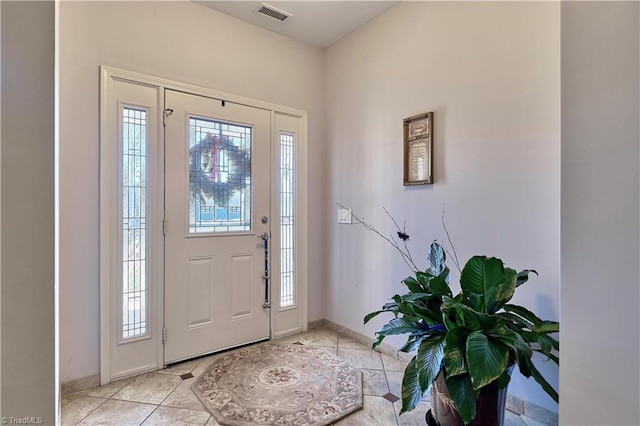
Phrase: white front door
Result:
[217,200]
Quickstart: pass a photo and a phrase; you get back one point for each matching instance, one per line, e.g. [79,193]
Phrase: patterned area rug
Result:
[272,384]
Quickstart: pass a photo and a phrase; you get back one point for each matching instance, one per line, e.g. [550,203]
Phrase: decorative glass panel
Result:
[134,223]
[219,177]
[287,209]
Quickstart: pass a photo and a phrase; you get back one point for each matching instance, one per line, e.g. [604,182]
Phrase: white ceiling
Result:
[318,23]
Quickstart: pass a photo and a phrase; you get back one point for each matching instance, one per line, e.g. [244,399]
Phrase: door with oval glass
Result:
[217,191]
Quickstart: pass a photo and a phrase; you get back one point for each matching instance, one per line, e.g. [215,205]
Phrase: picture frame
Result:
[418,148]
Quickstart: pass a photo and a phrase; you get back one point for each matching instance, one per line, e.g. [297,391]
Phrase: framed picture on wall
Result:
[418,144]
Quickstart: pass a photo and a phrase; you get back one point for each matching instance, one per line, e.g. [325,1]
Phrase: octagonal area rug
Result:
[273,384]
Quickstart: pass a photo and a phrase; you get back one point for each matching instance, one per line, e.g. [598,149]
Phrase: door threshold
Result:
[217,352]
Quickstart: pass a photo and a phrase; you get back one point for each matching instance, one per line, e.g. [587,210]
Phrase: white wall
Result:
[180,41]
[491,74]
[600,379]
[28,355]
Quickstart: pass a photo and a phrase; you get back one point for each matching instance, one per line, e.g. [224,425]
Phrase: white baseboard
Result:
[315,324]
[77,385]
[287,333]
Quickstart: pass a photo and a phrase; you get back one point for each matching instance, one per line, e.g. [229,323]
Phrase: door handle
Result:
[265,238]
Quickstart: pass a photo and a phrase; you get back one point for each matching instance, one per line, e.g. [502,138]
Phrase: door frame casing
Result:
[108,215]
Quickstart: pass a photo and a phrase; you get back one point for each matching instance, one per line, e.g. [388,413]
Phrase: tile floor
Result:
[165,397]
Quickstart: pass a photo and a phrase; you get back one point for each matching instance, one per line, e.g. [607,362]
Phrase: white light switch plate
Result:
[344,215]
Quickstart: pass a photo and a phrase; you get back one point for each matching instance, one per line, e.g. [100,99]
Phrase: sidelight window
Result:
[287,213]
[134,223]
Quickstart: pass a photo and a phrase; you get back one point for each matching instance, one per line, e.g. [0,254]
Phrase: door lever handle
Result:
[265,238]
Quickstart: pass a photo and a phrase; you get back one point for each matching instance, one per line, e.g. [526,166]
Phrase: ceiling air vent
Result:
[273,12]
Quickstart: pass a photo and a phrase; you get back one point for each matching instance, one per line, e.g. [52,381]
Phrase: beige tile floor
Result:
[165,398]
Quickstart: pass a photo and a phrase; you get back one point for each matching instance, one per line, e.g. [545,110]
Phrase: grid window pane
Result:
[219,177]
[134,223]
[287,210]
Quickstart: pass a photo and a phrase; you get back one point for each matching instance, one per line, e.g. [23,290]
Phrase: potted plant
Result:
[465,345]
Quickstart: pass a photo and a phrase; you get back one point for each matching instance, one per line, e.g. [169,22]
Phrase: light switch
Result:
[344,215]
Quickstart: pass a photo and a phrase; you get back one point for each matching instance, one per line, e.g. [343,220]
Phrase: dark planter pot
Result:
[489,406]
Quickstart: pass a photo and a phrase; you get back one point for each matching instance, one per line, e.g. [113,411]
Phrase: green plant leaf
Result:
[522,352]
[387,307]
[440,285]
[547,343]
[450,301]
[411,392]
[461,314]
[543,383]
[448,322]
[429,315]
[463,395]
[407,308]
[481,276]
[421,305]
[455,361]
[437,259]
[379,339]
[504,291]
[523,312]
[368,317]
[401,326]
[523,276]
[415,296]
[451,313]
[553,342]
[413,342]
[476,301]
[413,285]
[390,306]
[504,380]
[499,331]
[544,327]
[429,360]
[515,320]
[423,278]
[524,366]
[551,356]
[529,336]
[471,318]
[509,337]
[487,359]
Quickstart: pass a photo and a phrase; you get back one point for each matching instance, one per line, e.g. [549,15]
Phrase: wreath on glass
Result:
[205,177]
